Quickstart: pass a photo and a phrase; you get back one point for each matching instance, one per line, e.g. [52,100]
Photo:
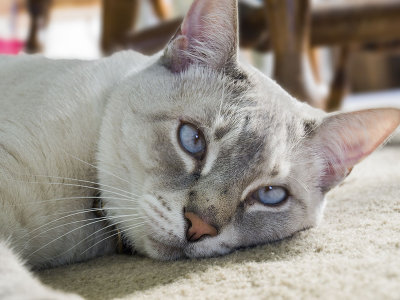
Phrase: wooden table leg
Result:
[161,9]
[39,13]
[339,86]
[289,23]
[153,39]
[118,20]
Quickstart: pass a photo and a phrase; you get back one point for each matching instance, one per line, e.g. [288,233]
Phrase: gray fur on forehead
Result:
[223,100]
[234,81]
[210,95]
[239,94]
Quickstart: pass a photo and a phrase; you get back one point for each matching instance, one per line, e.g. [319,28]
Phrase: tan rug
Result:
[353,254]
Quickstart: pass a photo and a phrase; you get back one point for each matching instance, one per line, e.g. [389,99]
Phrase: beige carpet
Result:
[353,254]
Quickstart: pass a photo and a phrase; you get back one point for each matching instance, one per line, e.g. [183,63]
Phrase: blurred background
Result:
[334,54]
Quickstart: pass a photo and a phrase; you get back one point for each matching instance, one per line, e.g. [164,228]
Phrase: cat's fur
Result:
[66,125]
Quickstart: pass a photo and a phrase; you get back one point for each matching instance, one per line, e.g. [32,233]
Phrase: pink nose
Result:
[198,228]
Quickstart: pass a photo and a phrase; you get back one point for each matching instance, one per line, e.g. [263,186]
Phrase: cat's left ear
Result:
[344,139]
[208,36]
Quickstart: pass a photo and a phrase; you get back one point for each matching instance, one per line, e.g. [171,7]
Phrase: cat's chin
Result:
[208,247]
[167,240]
[161,251]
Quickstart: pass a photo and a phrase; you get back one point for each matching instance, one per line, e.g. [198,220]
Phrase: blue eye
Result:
[271,195]
[192,140]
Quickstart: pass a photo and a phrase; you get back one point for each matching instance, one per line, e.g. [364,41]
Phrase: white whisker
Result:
[101,219]
[94,233]
[89,164]
[98,219]
[123,230]
[75,198]
[302,184]
[69,184]
[83,210]
[73,179]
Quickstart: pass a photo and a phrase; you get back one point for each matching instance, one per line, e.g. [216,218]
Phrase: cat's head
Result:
[209,155]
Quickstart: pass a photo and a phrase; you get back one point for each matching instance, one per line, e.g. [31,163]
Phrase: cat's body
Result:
[49,139]
[192,153]
[53,118]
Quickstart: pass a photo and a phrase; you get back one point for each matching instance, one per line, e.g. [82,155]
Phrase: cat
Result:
[185,154]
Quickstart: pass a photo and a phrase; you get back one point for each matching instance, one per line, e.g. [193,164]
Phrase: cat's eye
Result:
[192,140]
[271,195]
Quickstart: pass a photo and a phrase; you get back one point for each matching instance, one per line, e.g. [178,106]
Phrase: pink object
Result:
[11,46]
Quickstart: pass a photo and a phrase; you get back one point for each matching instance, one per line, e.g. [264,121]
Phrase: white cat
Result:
[188,153]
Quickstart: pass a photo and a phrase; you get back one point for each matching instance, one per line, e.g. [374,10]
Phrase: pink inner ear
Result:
[208,36]
[347,138]
[192,22]
[205,18]
[354,146]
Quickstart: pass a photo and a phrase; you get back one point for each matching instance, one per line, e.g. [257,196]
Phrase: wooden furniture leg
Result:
[289,23]
[118,20]
[340,83]
[161,9]
[252,31]
[39,13]
[153,39]
[315,62]
[373,26]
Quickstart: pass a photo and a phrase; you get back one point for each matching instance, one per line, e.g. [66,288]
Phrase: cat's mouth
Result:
[162,231]
[159,246]
[166,251]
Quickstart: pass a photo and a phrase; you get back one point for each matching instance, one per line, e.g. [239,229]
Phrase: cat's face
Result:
[225,144]
[250,137]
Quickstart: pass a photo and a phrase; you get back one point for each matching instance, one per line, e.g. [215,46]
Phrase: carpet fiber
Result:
[354,253]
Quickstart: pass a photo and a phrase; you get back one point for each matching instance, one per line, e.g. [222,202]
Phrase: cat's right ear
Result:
[344,139]
[208,36]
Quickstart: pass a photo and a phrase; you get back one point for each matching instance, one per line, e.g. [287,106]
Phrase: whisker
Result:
[72,222]
[128,228]
[73,198]
[84,210]
[100,219]
[58,226]
[102,240]
[222,100]
[69,184]
[303,185]
[73,179]
[87,181]
[94,233]
[309,162]
[96,167]
[135,183]
[109,231]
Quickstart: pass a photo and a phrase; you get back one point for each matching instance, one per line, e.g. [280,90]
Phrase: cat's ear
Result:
[344,139]
[207,36]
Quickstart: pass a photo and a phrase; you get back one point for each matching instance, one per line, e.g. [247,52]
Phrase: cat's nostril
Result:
[188,222]
[198,228]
